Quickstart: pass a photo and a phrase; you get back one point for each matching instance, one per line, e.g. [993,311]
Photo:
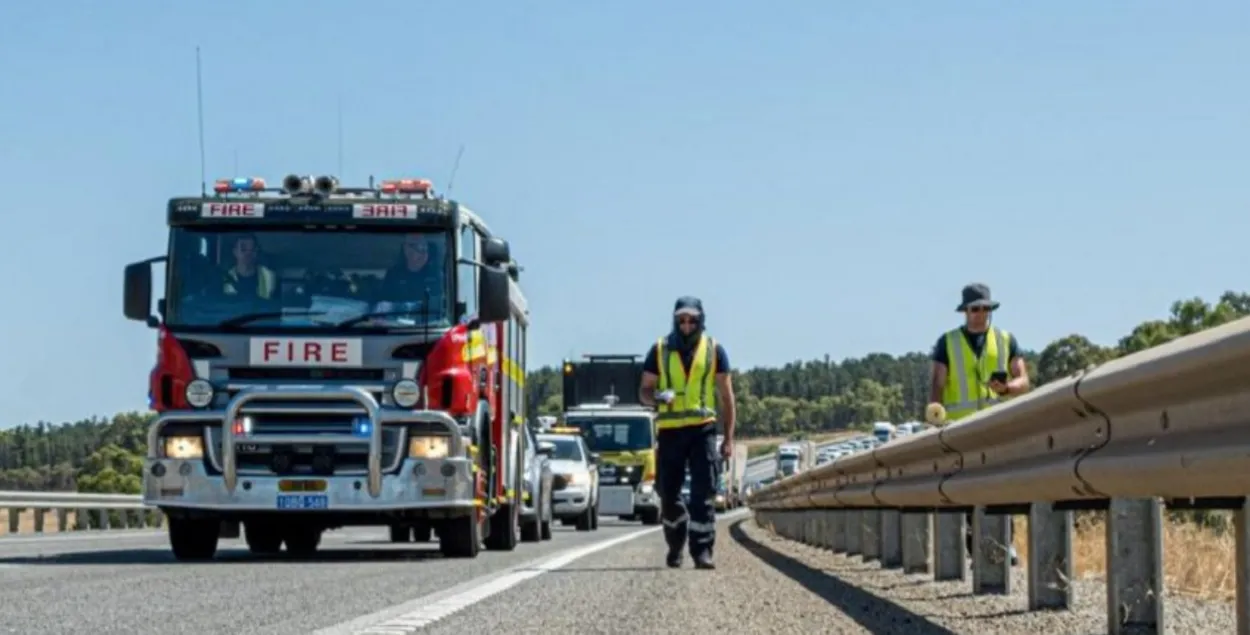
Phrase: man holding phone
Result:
[976,365]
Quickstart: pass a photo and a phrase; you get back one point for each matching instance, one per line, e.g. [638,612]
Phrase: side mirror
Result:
[493,303]
[495,251]
[594,458]
[137,292]
[545,448]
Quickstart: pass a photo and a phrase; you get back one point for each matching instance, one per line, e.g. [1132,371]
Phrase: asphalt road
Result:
[128,583]
[609,581]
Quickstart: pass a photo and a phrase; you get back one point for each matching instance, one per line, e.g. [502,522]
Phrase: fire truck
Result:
[330,356]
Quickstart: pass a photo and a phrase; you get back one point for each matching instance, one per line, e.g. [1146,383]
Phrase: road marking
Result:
[80,535]
[421,612]
[410,616]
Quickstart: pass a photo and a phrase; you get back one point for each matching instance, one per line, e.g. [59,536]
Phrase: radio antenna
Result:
[199,114]
[339,117]
[455,167]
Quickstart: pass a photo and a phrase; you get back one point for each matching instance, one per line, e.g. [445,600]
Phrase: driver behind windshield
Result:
[246,278]
[414,274]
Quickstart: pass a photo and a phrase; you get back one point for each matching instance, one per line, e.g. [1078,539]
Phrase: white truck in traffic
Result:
[883,431]
[794,457]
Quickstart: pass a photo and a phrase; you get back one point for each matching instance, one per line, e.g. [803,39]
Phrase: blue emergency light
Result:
[239,184]
[361,427]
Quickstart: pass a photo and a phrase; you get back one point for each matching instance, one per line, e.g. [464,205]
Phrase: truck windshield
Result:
[615,434]
[307,277]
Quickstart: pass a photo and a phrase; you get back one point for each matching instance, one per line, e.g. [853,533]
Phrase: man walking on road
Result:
[975,366]
[686,378]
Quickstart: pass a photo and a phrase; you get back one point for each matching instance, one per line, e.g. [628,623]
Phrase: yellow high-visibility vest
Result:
[268,281]
[695,400]
[968,377]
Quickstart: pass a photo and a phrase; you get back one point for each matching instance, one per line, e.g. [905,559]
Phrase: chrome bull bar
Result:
[378,417]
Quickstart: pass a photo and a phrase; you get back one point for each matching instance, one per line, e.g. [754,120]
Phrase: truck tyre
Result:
[503,528]
[400,533]
[460,537]
[302,541]
[421,533]
[650,516]
[594,517]
[193,539]
[262,539]
[585,521]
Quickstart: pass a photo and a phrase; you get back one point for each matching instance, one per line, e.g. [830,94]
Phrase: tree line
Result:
[822,395]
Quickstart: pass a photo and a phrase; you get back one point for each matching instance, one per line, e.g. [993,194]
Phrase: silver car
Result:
[575,488]
[536,508]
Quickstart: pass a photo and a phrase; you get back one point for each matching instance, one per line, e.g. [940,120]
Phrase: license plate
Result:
[303,501]
[615,501]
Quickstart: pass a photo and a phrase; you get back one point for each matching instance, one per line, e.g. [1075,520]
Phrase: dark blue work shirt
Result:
[976,341]
[652,365]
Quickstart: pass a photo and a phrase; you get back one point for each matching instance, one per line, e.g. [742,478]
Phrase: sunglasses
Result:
[682,321]
[978,309]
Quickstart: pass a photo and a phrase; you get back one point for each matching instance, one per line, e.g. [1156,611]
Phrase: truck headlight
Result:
[199,393]
[646,487]
[428,447]
[184,447]
[406,393]
[577,478]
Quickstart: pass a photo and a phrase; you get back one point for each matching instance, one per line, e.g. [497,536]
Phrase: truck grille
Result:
[617,475]
[325,460]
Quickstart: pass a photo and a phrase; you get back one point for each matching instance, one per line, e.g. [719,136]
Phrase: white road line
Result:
[412,615]
[85,535]
[421,612]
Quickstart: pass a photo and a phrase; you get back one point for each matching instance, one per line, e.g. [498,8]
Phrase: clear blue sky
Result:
[825,175]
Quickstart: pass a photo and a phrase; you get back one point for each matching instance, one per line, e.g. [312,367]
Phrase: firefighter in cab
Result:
[686,379]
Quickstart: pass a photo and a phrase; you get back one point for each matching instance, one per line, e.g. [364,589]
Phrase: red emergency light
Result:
[253,184]
[407,186]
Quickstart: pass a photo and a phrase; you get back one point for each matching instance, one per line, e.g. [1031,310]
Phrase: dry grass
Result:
[26,522]
[1196,561]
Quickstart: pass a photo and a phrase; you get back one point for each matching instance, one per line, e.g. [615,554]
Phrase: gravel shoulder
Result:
[767,584]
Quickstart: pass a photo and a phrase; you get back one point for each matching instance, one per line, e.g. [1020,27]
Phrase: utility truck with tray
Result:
[601,400]
[330,356]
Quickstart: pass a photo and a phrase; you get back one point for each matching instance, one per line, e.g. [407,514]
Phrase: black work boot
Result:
[704,561]
[674,559]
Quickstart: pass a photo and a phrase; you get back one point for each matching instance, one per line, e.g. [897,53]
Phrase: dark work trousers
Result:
[695,448]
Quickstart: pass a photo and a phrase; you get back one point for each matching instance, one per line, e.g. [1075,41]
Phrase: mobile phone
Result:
[999,376]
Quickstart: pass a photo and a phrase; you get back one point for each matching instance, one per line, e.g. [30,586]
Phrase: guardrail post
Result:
[915,534]
[1241,548]
[1134,566]
[854,532]
[991,553]
[870,539]
[891,539]
[39,520]
[838,541]
[82,519]
[62,520]
[1050,557]
[949,550]
[15,519]
[105,521]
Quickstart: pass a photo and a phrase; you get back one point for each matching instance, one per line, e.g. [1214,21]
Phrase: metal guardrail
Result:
[1165,427]
[106,510]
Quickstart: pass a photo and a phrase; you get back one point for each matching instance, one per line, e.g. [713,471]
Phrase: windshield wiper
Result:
[365,317]
[240,320]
